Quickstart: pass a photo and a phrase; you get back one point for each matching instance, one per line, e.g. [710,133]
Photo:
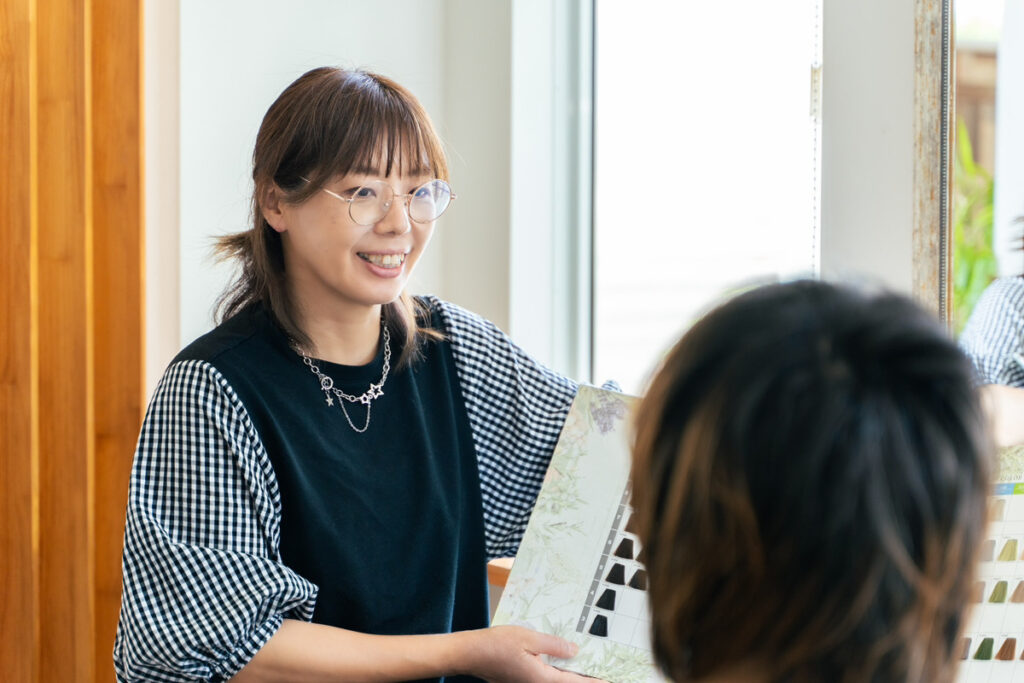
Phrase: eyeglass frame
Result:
[394,195]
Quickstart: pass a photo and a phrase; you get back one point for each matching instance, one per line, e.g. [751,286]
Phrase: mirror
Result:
[987,282]
[988,181]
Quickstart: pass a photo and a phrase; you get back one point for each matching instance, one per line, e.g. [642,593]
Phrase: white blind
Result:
[706,157]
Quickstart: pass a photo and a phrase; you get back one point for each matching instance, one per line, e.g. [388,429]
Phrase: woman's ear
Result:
[271,206]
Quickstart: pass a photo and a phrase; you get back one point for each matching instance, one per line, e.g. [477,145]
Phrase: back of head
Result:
[809,480]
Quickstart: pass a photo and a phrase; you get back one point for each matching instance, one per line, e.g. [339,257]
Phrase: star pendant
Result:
[330,401]
[373,392]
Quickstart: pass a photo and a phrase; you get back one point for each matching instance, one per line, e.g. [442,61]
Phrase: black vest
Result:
[388,523]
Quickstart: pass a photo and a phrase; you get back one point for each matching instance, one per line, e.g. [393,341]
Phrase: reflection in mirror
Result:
[977,30]
[988,199]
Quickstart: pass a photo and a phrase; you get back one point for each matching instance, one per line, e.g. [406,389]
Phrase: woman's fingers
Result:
[509,654]
[545,644]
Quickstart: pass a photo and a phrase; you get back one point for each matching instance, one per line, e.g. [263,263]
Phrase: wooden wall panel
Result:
[71,289]
[65,372]
[19,601]
[118,277]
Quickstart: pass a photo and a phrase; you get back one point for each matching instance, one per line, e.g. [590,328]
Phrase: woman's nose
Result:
[396,220]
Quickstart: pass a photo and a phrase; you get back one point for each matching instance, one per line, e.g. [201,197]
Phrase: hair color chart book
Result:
[579,572]
[992,649]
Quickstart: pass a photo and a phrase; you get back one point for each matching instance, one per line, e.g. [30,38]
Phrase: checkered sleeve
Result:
[516,411]
[204,586]
[994,335]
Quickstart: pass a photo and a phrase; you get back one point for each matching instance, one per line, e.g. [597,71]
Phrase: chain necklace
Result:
[375,391]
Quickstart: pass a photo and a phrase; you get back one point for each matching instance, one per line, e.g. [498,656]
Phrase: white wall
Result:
[868,141]
[236,57]
[213,69]
[163,305]
[476,129]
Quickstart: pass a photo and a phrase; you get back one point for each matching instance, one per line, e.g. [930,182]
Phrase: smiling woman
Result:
[299,229]
[270,506]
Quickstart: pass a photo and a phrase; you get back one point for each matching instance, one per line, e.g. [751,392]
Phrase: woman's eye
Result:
[423,193]
[364,193]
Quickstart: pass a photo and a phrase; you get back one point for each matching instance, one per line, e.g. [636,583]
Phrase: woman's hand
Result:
[513,653]
[1005,408]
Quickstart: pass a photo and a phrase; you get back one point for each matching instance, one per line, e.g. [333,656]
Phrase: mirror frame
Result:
[934,91]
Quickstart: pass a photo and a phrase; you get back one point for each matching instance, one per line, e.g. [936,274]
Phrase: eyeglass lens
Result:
[372,201]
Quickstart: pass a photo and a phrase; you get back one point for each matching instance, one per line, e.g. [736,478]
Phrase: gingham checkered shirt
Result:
[994,335]
[204,583]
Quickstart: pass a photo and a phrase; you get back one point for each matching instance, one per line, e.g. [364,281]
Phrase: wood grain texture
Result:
[498,571]
[931,263]
[19,448]
[118,277]
[65,338]
[70,159]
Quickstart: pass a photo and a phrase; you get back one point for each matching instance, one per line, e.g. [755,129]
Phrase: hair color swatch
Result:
[993,638]
[607,599]
[639,580]
[988,550]
[617,575]
[616,607]
[996,509]
[582,555]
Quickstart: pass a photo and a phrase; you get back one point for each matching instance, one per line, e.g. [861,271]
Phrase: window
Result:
[706,161]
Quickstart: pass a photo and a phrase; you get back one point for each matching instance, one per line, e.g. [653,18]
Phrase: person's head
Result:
[810,474]
[330,151]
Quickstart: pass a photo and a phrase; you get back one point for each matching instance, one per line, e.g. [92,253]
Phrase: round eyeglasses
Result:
[369,203]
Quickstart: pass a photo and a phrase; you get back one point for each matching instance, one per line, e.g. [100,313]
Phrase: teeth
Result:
[384,260]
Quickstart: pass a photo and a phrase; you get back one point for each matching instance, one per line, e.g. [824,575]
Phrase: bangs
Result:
[333,122]
[374,126]
[383,148]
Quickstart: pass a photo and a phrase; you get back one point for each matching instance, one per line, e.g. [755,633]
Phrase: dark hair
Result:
[327,123]
[810,475]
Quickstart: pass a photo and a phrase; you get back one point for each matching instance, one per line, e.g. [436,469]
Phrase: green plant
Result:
[974,261]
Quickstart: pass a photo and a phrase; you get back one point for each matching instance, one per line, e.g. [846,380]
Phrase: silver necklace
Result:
[375,391]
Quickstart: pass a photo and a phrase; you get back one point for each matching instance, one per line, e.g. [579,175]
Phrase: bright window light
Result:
[706,165]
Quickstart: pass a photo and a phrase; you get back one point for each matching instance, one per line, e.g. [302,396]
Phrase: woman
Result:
[809,480]
[321,479]
[993,338]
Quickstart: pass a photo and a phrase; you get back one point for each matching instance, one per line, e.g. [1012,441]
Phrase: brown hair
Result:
[327,123]
[809,481]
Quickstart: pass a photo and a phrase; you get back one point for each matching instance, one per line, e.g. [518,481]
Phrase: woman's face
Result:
[332,260]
